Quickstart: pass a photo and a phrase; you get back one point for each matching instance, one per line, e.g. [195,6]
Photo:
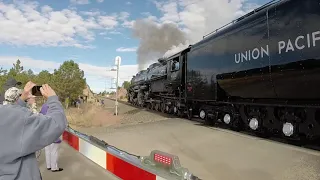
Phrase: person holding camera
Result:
[22,133]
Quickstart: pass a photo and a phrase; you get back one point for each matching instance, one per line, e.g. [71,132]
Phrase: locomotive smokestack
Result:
[155,40]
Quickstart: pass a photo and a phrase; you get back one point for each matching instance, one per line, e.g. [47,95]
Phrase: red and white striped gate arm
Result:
[122,165]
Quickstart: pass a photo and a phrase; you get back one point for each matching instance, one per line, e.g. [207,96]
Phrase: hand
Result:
[27,91]
[31,100]
[47,91]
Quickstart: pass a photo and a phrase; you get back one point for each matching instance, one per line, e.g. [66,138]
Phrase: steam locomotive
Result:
[259,73]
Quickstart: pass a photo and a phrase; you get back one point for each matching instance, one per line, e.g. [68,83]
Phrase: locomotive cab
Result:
[176,72]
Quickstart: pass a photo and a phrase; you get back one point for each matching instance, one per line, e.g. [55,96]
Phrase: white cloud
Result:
[100,1]
[170,12]
[46,9]
[80,1]
[122,49]
[28,23]
[128,3]
[150,17]
[108,22]
[115,32]
[123,16]
[96,75]
[90,13]
[128,24]
[201,17]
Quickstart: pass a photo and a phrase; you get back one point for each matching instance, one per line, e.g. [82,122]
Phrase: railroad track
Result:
[313,146]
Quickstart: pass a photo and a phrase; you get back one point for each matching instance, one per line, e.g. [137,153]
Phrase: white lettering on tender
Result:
[314,38]
[251,54]
[299,43]
[296,43]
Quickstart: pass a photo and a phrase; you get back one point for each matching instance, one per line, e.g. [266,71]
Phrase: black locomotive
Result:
[260,73]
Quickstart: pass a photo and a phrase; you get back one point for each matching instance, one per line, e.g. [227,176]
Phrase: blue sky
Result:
[43,34]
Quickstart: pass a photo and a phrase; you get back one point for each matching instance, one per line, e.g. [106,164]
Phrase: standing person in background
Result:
[11,82]
[78,103]
[67,102]
[51,150]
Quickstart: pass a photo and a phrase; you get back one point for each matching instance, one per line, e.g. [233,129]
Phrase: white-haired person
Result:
[23,132]
[11,96]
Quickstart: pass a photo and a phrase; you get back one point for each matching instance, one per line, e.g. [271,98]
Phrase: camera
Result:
[36,91]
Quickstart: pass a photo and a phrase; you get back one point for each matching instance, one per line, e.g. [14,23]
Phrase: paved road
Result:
[216,154]
[76,167]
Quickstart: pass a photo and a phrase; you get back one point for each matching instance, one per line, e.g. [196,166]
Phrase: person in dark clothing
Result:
[11,82]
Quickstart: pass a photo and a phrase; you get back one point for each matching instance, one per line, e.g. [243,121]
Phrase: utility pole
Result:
[117,63]
[105,88]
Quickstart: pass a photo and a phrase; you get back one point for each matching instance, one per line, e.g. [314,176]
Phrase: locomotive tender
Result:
[260,73]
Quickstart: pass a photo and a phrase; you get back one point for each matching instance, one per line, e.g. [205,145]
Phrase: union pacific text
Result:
[299,43]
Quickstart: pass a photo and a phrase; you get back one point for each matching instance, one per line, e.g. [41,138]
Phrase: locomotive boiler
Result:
[260,73]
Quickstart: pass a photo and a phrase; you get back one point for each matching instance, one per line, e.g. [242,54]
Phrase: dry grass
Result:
[90,115]
[77,117]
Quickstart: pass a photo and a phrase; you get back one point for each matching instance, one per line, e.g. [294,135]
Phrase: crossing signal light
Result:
[160,158]
[165,163]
